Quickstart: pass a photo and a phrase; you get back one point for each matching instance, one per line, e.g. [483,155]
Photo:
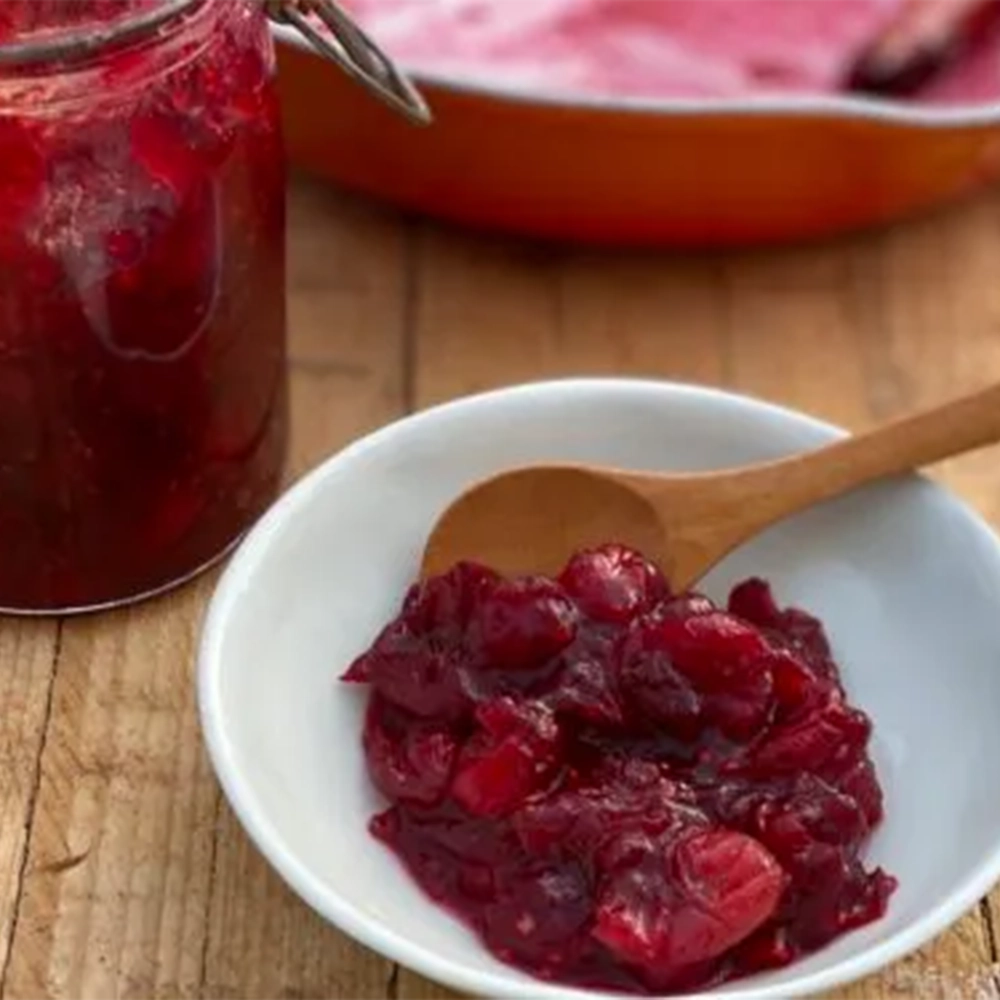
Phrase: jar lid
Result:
[70,30]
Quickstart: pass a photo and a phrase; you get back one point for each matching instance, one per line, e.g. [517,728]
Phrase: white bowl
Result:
[905,577]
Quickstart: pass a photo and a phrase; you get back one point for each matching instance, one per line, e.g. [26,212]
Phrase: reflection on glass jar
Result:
[142,315]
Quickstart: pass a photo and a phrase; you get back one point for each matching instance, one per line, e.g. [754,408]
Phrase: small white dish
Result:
[906,578]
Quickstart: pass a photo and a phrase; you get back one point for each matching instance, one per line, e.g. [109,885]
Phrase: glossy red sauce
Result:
[620,788]
[142,392]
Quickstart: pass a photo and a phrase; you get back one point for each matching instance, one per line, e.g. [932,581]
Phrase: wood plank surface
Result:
[122,871]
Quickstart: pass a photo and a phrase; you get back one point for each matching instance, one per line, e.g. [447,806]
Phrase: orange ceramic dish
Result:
[668,173]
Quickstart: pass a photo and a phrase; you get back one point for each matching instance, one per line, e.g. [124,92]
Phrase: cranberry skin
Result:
[686,606]
[861,784]
[160,146]
[827,742]
[769,948]
[585,689]
[421,661]
[706,669]
[540,918]
[704,895]
[409,671]
[613,583]
[513,755]
[653,688]
[701,645]
[796,687]
[731,877]
[596,820]
[868,902]
[811,813]
[408,760]
[522,623]
[443,605]
[754,601]
[804,634]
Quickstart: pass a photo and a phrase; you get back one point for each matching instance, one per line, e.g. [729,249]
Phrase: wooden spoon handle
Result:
[783,487]
[925,37]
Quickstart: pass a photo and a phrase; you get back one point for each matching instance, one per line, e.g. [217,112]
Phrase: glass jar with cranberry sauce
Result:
[143,404]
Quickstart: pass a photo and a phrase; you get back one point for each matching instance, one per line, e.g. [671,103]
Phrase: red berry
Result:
[829,740]
[754,601]
[613,583]
[654,688]
[585,689]
[706,894]
[443,605]
[686,606]
[522,623]
[861,784]
[732,878]
[687,673]
[407,759]
[511,757]
[593,821]
[160,146]
[805,635]
[795,686]
[540,917]
[414,675]
[770,948]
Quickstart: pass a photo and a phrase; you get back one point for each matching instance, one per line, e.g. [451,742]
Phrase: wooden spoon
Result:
[530,520]
[925,38]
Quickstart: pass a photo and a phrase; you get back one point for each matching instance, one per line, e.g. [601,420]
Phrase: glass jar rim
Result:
[322,23]
[84,42]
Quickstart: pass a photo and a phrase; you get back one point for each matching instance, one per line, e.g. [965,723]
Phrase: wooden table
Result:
[122,870]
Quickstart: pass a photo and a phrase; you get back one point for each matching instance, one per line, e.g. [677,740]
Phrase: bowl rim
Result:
[396,947]
[842,107]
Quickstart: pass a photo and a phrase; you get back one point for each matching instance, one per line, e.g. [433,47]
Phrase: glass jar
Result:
[143,402]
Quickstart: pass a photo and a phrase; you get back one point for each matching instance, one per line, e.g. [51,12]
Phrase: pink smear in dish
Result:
[663,48]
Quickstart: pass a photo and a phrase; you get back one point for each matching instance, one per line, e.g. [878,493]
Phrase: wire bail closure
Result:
[339,38]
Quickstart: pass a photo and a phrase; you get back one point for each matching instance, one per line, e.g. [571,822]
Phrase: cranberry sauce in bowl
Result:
[617,787]
[142,316]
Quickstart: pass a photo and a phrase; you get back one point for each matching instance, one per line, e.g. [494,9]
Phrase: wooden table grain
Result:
[122,871]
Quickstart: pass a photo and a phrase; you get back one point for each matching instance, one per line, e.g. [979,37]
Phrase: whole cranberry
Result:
[522,623]
[414,674]
[613,583]
[442,605]
[513,754]
[828,741]
[408,759]
[689,903]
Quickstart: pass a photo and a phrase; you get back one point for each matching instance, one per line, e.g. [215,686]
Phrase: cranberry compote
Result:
[142,324]
[618,787]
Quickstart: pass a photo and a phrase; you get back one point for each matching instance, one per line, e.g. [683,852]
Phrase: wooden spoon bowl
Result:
[533,519]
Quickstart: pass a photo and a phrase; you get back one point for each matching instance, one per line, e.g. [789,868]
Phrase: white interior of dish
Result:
[906,579]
